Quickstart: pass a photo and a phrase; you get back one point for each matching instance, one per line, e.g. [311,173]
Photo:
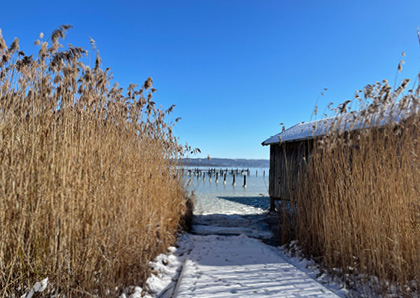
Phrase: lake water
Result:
[219,198]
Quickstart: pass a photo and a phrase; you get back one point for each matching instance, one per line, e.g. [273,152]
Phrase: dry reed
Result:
[89,191]
[356,203]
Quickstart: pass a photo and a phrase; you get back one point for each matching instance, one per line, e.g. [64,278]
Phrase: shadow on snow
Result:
[262,202]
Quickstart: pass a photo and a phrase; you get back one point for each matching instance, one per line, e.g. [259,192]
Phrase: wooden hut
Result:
[288,151]
[290,148]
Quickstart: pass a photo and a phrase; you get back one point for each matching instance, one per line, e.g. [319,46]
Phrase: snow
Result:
[301,131]
[240,266]
[38,287]
[228,252]
[345,122]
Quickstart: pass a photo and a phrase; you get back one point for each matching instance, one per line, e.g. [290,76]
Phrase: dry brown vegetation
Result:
[89,191]
[356,206]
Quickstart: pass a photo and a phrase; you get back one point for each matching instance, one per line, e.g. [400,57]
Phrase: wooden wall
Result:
[287,160]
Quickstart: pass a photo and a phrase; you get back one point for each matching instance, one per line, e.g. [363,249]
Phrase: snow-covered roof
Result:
[301,131]
[346,122]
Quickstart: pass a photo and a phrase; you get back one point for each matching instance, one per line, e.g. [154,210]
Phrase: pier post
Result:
[244,181]
[234,182]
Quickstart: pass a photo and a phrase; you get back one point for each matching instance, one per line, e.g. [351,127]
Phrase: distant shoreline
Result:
[226,162]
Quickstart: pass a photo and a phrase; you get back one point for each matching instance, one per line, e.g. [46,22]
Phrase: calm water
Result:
[218,198]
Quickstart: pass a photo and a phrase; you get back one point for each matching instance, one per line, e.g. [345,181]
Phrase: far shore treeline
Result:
[226,162]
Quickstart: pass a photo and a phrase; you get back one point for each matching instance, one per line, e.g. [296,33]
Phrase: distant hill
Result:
[226,162]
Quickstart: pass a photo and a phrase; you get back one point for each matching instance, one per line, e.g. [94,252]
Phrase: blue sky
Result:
[235,69]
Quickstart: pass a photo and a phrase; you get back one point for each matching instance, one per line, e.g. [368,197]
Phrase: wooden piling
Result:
[234,182]
[244,181]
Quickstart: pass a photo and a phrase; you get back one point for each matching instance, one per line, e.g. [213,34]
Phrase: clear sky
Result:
[235,69]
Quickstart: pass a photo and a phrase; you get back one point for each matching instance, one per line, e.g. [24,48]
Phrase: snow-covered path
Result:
[231,252]
[239,265]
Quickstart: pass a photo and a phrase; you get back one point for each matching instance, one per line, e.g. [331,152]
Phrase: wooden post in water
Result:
[204,175]
[264,173]
[256,173]
[217,177]
[244,181]
[224,178]
[210,176]
[234,182]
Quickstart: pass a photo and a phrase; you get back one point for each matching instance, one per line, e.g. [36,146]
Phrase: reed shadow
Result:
[262,202]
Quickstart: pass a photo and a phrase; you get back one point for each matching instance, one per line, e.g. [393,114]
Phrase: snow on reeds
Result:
[88,187]
[356,203]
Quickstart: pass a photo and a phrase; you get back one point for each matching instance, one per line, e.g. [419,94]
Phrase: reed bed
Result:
[355,203]
[89,191]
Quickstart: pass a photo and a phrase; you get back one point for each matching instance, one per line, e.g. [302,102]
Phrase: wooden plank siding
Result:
[287,162]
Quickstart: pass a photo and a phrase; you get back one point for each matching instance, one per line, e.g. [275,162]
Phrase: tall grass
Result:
[89,191]
[357,198]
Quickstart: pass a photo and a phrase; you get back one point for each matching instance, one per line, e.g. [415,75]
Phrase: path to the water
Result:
[231,251]
[228,258]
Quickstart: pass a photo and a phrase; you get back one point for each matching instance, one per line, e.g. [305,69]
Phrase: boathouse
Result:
[291,148]
[288,151]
